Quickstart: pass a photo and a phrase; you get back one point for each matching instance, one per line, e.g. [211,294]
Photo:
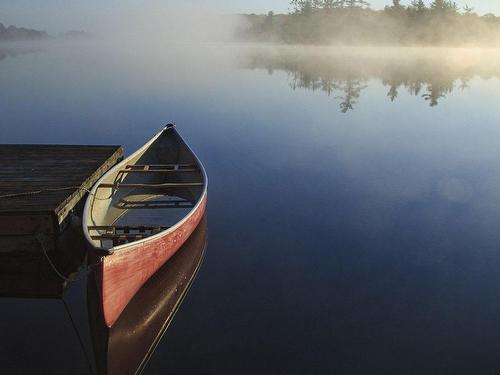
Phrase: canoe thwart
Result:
[167,185]
[149,170]
[131,205]
[161,166]
[121,234]
[120,239]
[127,228]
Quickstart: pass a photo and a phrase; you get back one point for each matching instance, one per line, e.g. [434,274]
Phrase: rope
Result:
[36,192]
[40,238]
[66,307]
[80,340]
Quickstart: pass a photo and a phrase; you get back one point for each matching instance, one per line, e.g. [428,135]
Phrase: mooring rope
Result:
[40,238]
[42,245]
[80,340]
[49,190]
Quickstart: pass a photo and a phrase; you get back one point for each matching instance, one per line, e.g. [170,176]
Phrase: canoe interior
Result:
[145,194]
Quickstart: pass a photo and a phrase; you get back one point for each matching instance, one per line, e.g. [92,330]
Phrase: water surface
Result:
[354,201]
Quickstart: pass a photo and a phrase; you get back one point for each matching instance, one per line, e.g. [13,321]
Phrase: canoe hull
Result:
[120,275]
[126,347]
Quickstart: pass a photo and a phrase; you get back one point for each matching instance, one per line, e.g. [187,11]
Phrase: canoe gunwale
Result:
[131,246]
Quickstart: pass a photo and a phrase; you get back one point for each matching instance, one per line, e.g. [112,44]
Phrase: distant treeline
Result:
[351,22]
[13,33]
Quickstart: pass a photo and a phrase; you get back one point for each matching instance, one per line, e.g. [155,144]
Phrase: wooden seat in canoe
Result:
[122,234]
[166,185]
[155,204]
[160,168]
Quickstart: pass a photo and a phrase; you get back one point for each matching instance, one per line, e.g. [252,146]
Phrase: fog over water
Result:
[345,72]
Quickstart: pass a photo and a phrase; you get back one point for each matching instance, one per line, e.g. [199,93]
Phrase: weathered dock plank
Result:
[63,174]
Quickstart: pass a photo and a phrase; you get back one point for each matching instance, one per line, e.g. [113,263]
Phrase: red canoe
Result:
[139,214]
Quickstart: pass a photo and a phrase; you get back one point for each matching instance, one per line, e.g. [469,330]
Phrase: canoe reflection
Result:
[126,347]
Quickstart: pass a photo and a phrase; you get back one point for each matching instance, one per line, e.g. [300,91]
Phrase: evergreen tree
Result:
[438,5]
[356,4]
[444,5]
[268,23]
[396,7]
[419,5]
[468,11]
[330,4]
[452,6]
[302,6]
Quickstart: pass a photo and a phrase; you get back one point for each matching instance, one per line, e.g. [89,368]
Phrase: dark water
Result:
[354,202]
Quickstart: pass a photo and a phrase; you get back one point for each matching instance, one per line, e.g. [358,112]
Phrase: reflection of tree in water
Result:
[348,90]
[352,90]
[436,92]
[345,75]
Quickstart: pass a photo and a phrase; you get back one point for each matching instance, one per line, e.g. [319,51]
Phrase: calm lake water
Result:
[354,202]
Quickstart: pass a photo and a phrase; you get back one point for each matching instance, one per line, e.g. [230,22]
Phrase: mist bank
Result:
[325,22]
[13,33]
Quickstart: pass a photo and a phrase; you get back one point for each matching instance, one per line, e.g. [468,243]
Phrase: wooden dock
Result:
[46,182]
[37,256]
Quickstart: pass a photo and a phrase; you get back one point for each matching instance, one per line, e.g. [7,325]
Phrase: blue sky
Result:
[60,15]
